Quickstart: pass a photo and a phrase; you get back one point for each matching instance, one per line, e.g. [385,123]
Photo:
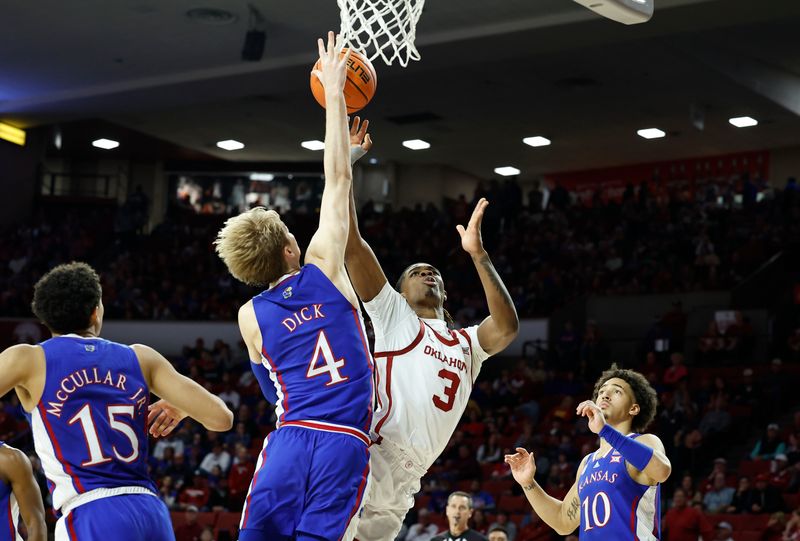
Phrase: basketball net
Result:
[381,28]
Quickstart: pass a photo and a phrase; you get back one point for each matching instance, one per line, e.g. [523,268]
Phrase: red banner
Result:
[683,177]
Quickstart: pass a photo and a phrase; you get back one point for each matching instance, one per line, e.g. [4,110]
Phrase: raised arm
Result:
[563,516]
[18,472]
[326,249]
[184,394]
[365,272]
[501,327]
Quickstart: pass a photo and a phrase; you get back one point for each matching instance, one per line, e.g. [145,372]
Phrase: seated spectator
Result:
[490,451]
[684,523]
[207,534]
[195,494]
[478,521]
[693,496]
[498,533]
[775,527]
[533,528]
[720,466]
[480,498]
[724,531]
[190,530]
[424,528]
[769,445]
[766,499]
[743,498]
[677,370]
[502,522]
[719,497]
[217,457]
[238,436]
[167,492]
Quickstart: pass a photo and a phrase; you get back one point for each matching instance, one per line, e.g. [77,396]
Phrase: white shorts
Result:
[395,479]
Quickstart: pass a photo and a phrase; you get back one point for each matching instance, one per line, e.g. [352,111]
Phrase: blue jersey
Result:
[315,358]
[9,513]
[89,428]
[613,505]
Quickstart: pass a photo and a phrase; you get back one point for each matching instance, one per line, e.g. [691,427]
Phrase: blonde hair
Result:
[251,245]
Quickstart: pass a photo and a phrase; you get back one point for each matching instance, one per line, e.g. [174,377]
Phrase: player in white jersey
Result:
[424,369]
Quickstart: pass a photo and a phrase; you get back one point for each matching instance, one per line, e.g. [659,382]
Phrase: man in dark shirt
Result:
[459,510]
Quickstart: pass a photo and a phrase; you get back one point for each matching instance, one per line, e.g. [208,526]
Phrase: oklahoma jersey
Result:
[613,505]
[89,427]
[9,513]
[425,373]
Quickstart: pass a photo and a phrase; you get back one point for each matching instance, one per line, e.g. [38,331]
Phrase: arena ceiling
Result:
[492,72]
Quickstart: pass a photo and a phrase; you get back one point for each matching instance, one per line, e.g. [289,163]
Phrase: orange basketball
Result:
[360,85]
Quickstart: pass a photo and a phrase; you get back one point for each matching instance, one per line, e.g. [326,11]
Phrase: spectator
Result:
[502,522]
[424,528]
[719,497]
[217,457]
[534,529]
[769,445]
[724,531]
[481,499]
[489,451]
[677,370]
[683,523]
[743,499]
[766,499]
[190,530]
[207,534]
[498,533]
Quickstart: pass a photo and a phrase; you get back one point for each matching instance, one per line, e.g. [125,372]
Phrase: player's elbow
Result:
[564,529]
[221,421]
[661,471]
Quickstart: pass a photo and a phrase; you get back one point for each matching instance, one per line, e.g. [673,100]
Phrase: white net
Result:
[381,28]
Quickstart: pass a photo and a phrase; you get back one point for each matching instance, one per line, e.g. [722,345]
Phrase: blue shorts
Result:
[127,517]
[308,484]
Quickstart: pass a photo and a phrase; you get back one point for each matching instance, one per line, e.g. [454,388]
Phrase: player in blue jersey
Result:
[617,491]
[19,495]
[307,345]
[87,402]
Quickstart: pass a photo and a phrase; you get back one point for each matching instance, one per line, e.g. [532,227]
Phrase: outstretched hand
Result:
[590,410]
[360,140]
[332,72]
[471,239]
[523,466]
[163,417]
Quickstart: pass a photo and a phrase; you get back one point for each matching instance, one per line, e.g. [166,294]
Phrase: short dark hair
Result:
[643,394]
[65,297]
[466,495]
[498,529]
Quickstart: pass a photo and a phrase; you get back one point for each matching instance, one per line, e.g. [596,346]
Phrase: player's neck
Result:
[428,312]
[88,333]
[457,531]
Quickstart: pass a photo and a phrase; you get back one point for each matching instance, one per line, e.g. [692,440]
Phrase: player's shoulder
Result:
[12,460]
[651,440]
[22,351]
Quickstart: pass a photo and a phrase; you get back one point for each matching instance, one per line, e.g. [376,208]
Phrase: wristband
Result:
[637,454]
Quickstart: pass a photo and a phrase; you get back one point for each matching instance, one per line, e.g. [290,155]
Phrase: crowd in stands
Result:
[547,256]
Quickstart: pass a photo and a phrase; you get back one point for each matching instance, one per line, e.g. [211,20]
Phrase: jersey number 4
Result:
[96,456]
[451,386]
[325,362]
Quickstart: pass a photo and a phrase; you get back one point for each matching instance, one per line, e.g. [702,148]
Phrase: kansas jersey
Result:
[89,428]
[613,505]
[315,357]
[9,513]
[425,373]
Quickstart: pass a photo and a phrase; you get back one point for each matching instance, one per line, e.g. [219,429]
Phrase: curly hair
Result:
[251,245]
[643,394]
[65,297]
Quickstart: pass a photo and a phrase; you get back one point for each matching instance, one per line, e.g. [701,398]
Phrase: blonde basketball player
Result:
[425,371]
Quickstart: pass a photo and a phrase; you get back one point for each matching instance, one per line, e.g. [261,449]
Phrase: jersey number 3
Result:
[325,362]
[453,381]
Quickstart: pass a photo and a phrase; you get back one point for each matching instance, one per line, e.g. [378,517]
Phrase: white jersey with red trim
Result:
[424,376]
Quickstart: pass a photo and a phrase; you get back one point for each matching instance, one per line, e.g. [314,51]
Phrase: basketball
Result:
[360,85]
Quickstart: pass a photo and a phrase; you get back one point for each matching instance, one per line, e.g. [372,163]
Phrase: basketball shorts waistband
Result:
[324,426]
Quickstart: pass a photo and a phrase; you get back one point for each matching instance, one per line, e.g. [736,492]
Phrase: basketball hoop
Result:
[381,28]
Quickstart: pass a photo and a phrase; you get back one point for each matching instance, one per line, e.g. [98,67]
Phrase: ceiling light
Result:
[313,145]
[507,171]
[743,121]
[12,134]
[230,144]
[416,144]
[536,141]
[105,144]
[265,177]
[651,133]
